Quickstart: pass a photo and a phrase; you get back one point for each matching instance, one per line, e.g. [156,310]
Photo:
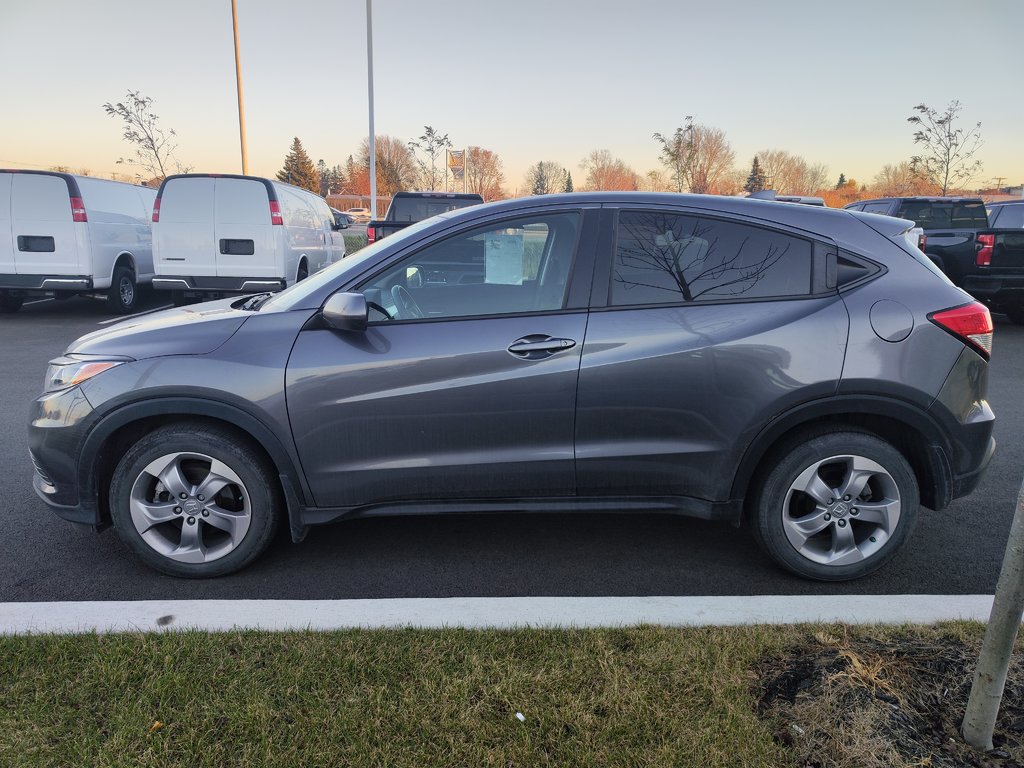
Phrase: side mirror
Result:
[346,312]
[339,224]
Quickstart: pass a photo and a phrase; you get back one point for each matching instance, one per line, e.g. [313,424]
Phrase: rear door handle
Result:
[537,345]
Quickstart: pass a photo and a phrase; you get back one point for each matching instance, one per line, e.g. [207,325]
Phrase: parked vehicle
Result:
[997,277]
[409,207]
[64,234]
[361,215]
[343,220]
[218,235]
[735,360]
[1006,214]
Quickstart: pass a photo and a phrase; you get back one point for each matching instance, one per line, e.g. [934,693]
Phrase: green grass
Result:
[642,696]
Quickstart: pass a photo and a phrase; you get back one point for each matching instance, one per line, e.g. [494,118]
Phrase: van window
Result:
[40,198]
[187,201]
[242,201]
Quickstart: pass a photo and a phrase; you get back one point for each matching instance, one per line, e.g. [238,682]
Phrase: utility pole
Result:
[238,82]
[369,76]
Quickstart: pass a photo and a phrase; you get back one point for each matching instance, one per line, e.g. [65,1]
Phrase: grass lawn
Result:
[743,696]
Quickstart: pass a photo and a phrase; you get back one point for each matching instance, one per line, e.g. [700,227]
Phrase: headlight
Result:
[66,372]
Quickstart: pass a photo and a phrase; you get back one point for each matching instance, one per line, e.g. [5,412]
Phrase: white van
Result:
[216,235]
[62,234]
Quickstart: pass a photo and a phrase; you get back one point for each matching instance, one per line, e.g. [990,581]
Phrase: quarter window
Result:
[664,258]
[518,266]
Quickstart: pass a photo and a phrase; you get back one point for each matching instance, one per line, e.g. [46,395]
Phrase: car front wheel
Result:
[192,500]
[837,506]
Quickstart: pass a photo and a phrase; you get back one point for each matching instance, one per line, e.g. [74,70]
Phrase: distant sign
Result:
[456,158]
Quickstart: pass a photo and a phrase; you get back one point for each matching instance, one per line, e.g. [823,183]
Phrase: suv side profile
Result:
[804,370]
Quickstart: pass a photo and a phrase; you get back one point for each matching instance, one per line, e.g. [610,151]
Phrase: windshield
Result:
[293,297]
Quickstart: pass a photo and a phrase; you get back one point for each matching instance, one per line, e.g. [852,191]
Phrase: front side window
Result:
[515,266]
[882,208]
[666,258]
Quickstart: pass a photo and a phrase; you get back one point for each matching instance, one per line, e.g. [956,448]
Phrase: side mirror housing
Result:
[346,312]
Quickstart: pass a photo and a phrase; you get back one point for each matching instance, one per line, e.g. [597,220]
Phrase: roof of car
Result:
[923,198]
[1007,202]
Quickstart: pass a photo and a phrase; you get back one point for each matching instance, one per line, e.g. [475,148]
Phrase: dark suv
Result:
[803,369]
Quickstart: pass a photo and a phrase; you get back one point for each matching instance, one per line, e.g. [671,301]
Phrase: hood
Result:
[194,330]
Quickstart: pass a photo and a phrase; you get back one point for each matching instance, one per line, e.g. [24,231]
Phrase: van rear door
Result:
[244,234]
[183,235]
[42,229]
[7,266]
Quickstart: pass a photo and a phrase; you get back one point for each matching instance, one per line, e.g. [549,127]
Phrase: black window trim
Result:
[821,248]
[582,260]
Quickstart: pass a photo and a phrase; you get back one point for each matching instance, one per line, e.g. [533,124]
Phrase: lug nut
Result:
[201,497]
[182,495]
[846,497]
[854,511]
[828,516]
[842,523]
[206,513]
[873,539]
[831,500]
[191,521]
[177,510]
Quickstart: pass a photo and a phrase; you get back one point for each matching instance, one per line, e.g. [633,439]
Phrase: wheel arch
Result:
[907,427]
[124,259]
[108,441]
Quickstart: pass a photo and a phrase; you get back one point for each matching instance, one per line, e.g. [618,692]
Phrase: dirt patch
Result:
[861,702]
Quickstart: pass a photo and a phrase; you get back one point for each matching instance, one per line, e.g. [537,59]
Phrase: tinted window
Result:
[663,258]
[417,209]
[520,266]
[882,208]
[1008,216]
[941,215]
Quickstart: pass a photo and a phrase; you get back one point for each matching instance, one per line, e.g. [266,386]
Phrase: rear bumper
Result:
[995,288]
[45,283]
[217,284]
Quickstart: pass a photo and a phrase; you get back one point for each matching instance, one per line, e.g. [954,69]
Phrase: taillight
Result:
[78,210]
[371,235]
[971,323]
[922,241]
[275,213]
[156,210]
[986,243]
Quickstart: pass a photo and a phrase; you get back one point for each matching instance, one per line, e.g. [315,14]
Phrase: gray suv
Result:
[802,370]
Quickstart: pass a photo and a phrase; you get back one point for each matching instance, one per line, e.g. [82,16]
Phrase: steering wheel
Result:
[405,305]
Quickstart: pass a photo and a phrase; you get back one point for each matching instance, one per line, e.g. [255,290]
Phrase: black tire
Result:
[1016,314]
[11,304]
[784,512]
[123,295]
[303,273]
[255,500]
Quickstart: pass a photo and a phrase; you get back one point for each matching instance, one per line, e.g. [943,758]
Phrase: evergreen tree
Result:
[299,169]
[842,181]
[755,181]
[324,174]
[540,180]
[568,182]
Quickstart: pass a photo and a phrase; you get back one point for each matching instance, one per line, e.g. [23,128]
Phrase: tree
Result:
[484,174]
[325,176]
[842,181]
[432,144]
[353,177]
[711,159]
[396,166]
[791,174]
[545,178]
[655,181]
[900,180]
[676,153]
[298,168]
[947,152]
[154,147]
[756,180]
[568,182]
[605,172]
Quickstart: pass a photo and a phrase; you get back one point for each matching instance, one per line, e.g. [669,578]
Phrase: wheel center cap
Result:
[840,509]
[191,507]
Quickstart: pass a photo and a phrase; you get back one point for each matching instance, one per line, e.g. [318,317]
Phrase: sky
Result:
[530,80]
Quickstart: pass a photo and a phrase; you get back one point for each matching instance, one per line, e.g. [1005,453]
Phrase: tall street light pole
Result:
[241,100]
[373,138]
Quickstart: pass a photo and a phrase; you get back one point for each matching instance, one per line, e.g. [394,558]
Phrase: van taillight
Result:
[275,213]
[922,241]
[156,210]
[78,210]
[971,323]
[371,235]
[986,243]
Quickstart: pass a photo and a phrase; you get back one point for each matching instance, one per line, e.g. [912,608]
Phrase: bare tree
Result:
[902,179]
[432,144]
[396,167]
[545,178]
[605,172]
[484,174]
[711,158]
[154,147]
[655,181]
[947,152]
[791,174]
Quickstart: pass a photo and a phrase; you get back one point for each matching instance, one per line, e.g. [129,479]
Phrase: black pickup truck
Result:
[409,207]
[987,263]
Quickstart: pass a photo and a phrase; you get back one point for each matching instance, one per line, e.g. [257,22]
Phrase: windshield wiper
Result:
[253,302]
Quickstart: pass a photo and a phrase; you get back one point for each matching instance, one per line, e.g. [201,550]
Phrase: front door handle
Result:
[537,345]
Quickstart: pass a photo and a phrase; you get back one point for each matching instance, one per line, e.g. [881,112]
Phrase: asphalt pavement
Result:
[43,558]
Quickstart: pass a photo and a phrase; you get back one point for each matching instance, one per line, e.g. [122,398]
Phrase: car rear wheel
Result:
[123,295]
[836,506]
[192,500]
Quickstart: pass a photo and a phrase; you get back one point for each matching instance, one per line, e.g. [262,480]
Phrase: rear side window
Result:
[943,215]
[882,208]
[665,258]
[241,201]
[187,201]
[40,198]
[1008,216]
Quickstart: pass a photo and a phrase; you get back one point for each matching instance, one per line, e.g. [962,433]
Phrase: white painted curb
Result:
[480,612]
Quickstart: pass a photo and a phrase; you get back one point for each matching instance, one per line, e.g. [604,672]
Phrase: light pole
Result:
[238,81]
[369,76]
